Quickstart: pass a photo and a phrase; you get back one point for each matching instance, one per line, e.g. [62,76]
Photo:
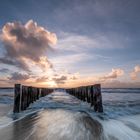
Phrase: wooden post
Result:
[99,98]
[92,96]
[84,94]
[88,95]
[17,98]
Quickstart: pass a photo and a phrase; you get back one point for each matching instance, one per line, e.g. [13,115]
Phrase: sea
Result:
[60,116]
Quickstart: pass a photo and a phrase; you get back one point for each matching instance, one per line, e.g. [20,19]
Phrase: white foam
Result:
[119,130]
[60,100]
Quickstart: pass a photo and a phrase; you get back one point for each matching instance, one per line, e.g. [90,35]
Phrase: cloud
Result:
[25,44]
[135,72]
[115,73]
[42,79]
[120,84]
[60,80]
[14,62]
[73,77]
[66,77]
[4,70]
[70,59]
[80,43]
[18,77]
[55,78]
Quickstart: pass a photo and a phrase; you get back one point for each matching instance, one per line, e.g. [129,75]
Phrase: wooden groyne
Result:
[24,95]
[90,94]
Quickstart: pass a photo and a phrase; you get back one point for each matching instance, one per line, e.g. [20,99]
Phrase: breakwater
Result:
[25,95]
[90,94]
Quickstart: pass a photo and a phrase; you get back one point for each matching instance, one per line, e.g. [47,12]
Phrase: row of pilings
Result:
[25,95]
[90,94]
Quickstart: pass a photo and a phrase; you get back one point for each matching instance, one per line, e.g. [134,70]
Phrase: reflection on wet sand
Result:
[19,130]
[55,124]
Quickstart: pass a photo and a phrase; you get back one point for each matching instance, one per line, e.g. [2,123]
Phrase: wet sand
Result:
[54,124]
[60,116]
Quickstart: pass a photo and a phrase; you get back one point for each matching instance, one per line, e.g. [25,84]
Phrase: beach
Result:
[60,116]
[70,70]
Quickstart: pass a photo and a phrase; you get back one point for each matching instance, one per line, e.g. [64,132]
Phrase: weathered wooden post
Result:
[38,91]
[80,93]
[97,98]
[88,95]
[22,102]
[84,94]
[17,98]
[92,96]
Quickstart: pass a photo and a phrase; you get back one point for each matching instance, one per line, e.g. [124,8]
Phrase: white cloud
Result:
[25,44]
[135,72]
[115,73]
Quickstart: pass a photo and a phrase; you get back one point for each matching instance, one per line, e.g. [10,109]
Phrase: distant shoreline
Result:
[6,87]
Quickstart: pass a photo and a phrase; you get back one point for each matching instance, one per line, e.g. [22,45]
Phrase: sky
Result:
[70,43]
